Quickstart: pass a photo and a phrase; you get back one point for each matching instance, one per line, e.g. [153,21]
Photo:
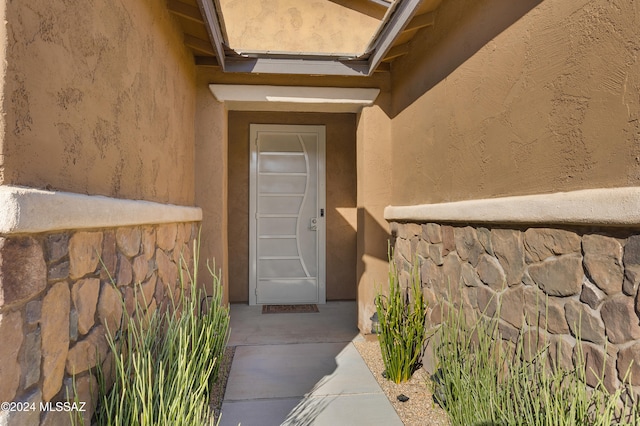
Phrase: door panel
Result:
[287,227]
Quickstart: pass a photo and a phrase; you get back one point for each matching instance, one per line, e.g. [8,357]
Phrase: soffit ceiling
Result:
[314,37]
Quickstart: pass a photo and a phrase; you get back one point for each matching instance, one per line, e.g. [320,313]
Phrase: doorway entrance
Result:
[287,214]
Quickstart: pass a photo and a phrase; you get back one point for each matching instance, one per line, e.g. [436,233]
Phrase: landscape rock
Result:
[508,248]
[591,295]
[88,352]
[31,358]
[85,250]
[110,307]
[541,243]
[125,271]
[631,280]
[23,272]
[140,269]
[512,306]
[435,253]
[109,257]
[469,276]
[603,262]
[55,418]
[597,363]
[86,390]
[487,301]
[584,322]
[448,239]
[632,251]
[73,325]
[561,276]
[57,247]
[33,311]
[616,311]
[84,294]
[629,364]
[148,242]
[451,268]
[166,236]
[484,236]
[167,270]
[25,417]
[128,241]
[560,352]
[534,306]
[146,291]
[467,245]
[54,323]
[491,273]
[58,271]
[555,320]
[432,233]
[10,331]
[405,231]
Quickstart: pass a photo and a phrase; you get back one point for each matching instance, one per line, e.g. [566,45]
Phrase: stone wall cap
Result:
[29,210]
[601,206]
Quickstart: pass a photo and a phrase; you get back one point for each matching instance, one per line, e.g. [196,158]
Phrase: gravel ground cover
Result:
[419,410]
[218,388]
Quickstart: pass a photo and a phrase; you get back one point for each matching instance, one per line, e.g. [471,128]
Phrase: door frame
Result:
[320,131]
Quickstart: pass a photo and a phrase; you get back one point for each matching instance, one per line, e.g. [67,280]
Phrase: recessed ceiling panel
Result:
[294,26]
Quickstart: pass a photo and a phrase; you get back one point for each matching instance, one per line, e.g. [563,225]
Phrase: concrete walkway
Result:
[301,369]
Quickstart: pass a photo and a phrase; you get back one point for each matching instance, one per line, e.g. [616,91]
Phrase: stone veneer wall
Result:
[589,277]
[57,299]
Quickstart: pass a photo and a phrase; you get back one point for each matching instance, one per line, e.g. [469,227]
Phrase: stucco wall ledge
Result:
[602,206]
[29,210]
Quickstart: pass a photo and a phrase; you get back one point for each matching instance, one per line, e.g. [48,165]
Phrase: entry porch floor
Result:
[301,369]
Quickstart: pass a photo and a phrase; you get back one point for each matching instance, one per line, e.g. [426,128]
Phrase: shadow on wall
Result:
[372,238]
[462,28]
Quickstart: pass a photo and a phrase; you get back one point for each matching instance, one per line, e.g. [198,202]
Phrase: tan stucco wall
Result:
[503,98]
[341,198]
[374,193]
[319,26]
[99,98]
[211,180]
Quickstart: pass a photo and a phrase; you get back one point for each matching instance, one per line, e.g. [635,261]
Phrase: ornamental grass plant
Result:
[401,316]
[481,380]
[165,362]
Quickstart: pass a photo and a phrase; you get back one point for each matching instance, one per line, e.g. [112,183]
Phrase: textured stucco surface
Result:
[341,199]
[211,179]
[319,26]
[510,98]
[99,98]
[374,193]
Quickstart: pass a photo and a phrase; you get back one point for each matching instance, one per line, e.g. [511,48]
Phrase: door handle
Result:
[313,224]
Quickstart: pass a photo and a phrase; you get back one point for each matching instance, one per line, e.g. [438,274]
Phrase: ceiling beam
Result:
[185,11]
[198,44]
[396,51]
[421,21]
[206,61]
[208,11]
[395,25]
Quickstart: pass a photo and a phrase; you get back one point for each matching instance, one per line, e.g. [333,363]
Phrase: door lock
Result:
[313,225]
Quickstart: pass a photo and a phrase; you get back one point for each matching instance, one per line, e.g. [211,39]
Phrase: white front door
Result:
[287,214]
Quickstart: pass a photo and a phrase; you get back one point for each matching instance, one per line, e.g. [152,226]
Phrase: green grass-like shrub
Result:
[164,363]
[401,333]
[480,382]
